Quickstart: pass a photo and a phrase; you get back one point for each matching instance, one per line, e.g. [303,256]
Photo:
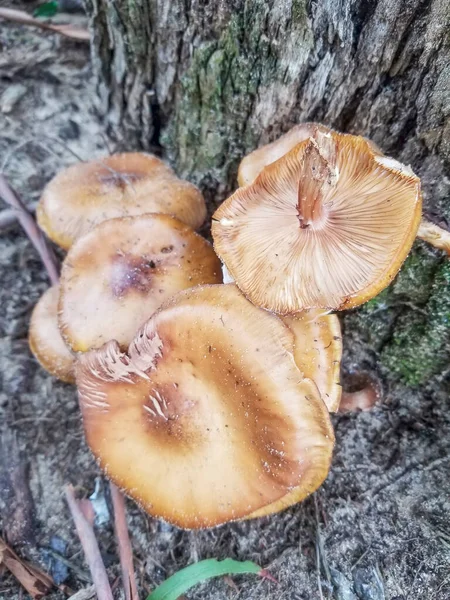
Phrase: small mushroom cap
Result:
[46,342]
[121,185]
[252,164]
[117,275]
[328,225]
[318,352]
[207,418]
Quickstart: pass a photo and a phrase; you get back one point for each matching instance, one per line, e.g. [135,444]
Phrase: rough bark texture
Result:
[207,82]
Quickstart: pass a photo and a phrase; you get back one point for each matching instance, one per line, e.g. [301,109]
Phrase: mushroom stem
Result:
[124,544]
[90,547]
[362,400]
[309,207]
[318,175]
[434,235]
[31,229]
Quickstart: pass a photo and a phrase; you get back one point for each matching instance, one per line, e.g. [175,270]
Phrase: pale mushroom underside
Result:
[328,225]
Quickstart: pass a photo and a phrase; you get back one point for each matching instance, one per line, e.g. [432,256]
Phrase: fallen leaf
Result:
[37,583]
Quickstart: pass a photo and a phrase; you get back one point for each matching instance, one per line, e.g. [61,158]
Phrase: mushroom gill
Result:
[252,164]
[328,225]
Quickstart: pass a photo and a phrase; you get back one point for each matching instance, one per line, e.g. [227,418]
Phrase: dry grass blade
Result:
[37,583]
[90,547]
[124,544]
[31,229]
[20,16]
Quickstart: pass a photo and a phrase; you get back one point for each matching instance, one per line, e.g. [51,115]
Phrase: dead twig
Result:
[90,547]
[20,16]
[36,582]
[19,505]
[9,216]
[124,544]
[31,229]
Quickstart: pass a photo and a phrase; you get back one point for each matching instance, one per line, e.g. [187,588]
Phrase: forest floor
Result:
[378,529]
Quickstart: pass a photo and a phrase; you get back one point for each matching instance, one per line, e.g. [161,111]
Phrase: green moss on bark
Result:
[211,130]
[420,345]
[408,324]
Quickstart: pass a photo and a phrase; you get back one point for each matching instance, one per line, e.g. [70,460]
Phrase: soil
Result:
[378,528]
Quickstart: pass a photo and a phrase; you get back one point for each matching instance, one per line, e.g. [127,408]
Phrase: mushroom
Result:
[46,342]
[206,419]
[252,164]
[362,391]
[130,184]
[318,352]
[328,225]
[116,276]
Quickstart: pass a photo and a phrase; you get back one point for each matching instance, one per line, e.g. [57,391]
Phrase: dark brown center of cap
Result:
[132,273]
[119,179]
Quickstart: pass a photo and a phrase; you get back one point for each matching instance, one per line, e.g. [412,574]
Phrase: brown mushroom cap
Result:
[318,352]
[328,225]
[207,418]
[117,275]
[121,185]
[252,164]
[46,342]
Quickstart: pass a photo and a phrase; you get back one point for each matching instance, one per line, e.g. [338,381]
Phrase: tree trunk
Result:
[206,81]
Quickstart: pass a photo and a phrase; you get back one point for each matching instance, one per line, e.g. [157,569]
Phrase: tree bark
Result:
[206,81]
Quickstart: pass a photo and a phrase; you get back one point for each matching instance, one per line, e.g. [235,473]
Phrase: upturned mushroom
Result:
[121,185]
[327,225]
[203,421]
[116,276]
[252,165]
[46,342]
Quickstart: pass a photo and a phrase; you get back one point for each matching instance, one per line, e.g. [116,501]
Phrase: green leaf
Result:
[48,9]
[181,581]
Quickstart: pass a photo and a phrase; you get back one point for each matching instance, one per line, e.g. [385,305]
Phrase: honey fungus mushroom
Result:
[209,408]
[327,225]
[45,340]
[318,352]
[252,164]
[116,276]
[121,185]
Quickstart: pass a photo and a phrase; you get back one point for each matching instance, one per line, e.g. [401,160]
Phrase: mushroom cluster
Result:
[218,394]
